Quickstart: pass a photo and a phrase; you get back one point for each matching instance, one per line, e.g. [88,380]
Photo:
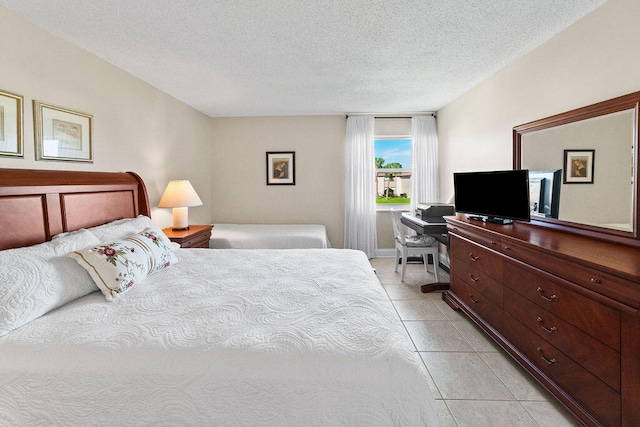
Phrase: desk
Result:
[439,232]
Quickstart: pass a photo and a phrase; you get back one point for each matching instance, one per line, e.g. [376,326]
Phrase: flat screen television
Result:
[545,192]
[496,196]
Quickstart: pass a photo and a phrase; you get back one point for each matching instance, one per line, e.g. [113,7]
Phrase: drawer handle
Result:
[552,298]
[491,242]
[508,248]
[549,361]
[473,257]
[594,280]
[474,299]
[473,278]
[550,330]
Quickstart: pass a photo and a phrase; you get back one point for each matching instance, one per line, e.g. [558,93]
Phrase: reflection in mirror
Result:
[605,201]
[544,193]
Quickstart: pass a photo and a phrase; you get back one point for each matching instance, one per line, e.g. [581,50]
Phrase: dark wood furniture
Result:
[565,306]
[196,236]
[37,204]
[629,103]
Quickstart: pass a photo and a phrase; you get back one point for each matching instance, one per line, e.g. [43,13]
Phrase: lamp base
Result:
[180,229]
[181,218]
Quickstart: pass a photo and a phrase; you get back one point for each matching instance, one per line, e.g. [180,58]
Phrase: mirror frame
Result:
[626,102]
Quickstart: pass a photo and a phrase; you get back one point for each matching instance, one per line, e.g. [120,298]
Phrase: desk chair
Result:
[413,245]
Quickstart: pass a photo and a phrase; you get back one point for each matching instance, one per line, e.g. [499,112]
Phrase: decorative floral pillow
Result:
[117,265]
[36,279]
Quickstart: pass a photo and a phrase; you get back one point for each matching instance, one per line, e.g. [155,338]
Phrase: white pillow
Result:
[37,279]
[121,228]
[117,265]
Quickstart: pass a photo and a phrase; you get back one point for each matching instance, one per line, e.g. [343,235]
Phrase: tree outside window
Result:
[393,170]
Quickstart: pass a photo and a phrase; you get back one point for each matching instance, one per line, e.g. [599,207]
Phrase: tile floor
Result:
[475,382]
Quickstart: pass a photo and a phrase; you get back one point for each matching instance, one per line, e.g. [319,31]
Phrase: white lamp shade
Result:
[179,194]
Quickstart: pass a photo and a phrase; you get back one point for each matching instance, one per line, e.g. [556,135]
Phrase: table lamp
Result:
[180,195]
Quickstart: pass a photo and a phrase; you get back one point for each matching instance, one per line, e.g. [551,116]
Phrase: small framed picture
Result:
[578,166]
[281,168]
[11,124]
[62,134]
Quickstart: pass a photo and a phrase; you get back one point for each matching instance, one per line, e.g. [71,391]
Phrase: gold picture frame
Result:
[11,124]
[62,134]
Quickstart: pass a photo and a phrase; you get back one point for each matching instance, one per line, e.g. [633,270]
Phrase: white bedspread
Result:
[269,236]
[270,337]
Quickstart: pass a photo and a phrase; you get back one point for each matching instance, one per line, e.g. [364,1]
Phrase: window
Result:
[393,170]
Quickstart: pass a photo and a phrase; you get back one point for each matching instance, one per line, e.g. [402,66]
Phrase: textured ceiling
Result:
[300,57]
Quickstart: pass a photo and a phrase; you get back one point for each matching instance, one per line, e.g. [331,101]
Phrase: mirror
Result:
[583,168]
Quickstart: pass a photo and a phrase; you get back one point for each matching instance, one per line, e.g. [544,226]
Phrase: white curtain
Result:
[360,203]
[425,185]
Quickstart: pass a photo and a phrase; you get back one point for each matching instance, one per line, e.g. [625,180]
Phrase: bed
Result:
[269,236]
[212,337]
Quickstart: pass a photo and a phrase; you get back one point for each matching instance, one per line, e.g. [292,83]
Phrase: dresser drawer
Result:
[594,318]
[479,303]
[601,399]
[612,286]
[483,238]
[472,276]
[482,259]
[570,340]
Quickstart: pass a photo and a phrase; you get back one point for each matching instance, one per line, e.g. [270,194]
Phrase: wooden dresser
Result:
[566,307]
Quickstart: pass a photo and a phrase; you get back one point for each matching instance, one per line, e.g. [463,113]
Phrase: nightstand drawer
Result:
[196,236]
[196,242]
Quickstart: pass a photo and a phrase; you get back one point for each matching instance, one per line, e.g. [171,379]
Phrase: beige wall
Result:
[139,128]
[595,59]
[608,199]
[240,193]
[136,127]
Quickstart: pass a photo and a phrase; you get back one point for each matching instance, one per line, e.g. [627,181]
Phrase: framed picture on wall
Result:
[11,124]
[281,168]
[578,166]
[62,134]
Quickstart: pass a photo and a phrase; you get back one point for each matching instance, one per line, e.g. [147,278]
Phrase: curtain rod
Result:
[392,115]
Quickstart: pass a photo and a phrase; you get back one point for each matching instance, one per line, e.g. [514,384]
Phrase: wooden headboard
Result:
[37,204]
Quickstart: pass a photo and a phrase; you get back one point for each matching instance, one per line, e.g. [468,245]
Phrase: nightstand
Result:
[197,236]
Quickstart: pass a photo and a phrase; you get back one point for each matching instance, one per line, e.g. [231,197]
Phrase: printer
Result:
[434,212]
